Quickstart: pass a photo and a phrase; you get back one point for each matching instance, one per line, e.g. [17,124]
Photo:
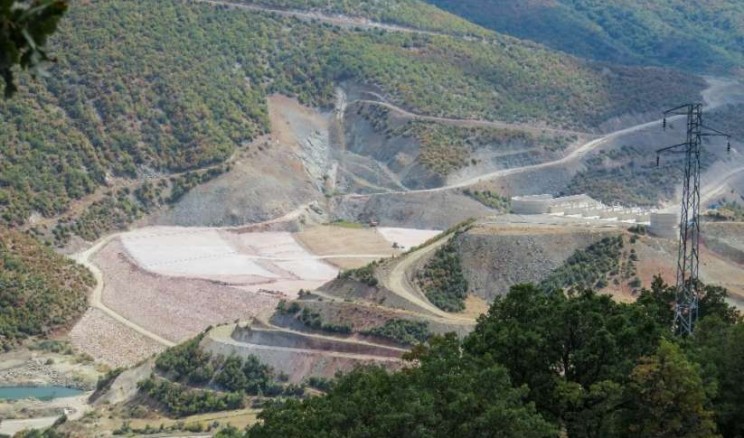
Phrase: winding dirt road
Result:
[95,298]
[468,123]
[84,258]
[398,279]
[337,20]
[713,100]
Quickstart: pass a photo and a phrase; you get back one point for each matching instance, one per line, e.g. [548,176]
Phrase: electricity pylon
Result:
[688,258]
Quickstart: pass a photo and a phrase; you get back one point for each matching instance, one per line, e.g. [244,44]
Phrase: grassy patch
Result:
[348,224]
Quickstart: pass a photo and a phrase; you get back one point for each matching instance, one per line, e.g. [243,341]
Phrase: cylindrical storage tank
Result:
[664,225]
[539,204]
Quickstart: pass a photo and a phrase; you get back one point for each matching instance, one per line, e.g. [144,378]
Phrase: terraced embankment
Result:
[299,355]
[498,256]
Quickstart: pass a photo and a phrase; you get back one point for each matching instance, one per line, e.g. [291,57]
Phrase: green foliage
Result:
[719,349]
[315,321]
[311,318]
[538,364]
[442,279]
[575,353]
[40,291]
[181,401]
[445,148]
[490,199]
[677,33]
[420,402]
[117,105]
[402,331]
[54,346]
[732,211]
[410,13]
[627,176]
[25,27]
[365,274]
[658,382]
[250,376]
[40,433]
[320,383]
[586,267]
[104,382]
[188,363]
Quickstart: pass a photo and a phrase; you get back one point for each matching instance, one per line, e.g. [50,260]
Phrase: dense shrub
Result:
[442,279]
[402,331]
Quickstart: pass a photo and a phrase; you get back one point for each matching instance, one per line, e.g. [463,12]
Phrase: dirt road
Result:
[398,280]
[575,153]
[75,407]
[95,298]
[474,123]
[337,20]
[84,258]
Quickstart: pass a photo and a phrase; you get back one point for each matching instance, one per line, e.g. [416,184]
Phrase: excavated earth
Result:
[495,257]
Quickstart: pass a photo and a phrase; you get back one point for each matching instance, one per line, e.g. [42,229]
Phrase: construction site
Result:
[311,255]
[226,258]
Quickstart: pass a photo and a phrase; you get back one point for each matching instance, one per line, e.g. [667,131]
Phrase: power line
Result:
[688,259]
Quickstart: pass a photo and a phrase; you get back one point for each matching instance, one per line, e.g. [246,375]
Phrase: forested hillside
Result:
[694,36]
[40,291]
[146,89]
[545,365]
[415,14]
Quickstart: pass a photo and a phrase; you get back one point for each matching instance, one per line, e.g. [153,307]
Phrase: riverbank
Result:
[26,367]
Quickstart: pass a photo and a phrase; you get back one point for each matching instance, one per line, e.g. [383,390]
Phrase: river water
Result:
[37,392]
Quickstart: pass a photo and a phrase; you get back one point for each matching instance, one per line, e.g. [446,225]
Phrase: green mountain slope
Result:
[40,291]
[694,36]
[409,13]
[153,88]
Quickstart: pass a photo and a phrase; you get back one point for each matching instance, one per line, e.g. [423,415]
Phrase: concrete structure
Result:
[537,204]
[578,206]
[664,225]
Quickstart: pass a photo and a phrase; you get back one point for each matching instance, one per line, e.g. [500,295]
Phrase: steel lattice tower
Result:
[688,258]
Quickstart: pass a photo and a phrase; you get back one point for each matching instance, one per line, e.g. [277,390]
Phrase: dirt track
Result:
[471,123]
[712,93]
[337,20]
[95,298]
[397,278]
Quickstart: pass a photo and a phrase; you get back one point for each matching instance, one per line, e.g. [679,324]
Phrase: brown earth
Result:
[497,256]
[174,308]
[339,240]
[110,342]
[271,178]
[297,361]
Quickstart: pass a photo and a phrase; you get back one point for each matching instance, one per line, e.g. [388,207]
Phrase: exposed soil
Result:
[298,363]
[175,308]
[498,256]
[275,175]
[337,240]
[111,342]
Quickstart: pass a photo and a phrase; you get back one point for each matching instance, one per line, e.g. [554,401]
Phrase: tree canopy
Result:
[25,26]
[545,364]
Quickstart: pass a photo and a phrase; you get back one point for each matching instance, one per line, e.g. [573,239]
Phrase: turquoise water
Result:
[38,392]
